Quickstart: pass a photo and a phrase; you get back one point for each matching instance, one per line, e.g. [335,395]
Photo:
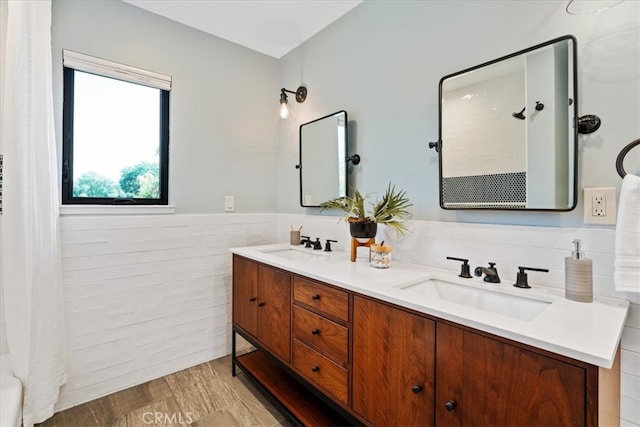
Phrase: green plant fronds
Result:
[392,210]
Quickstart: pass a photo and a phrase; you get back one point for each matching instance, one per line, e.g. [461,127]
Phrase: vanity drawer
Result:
[321,297]
[321,334]
[320,371]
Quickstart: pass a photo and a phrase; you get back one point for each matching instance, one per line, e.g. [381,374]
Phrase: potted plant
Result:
[391,210]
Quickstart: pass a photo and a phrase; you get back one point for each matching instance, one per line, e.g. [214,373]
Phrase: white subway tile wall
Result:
[148,295]
[430,242]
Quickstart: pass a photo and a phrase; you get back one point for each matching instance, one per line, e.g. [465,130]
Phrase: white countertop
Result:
[589,332]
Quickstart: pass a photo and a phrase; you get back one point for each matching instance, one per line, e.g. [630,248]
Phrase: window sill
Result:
[116,210]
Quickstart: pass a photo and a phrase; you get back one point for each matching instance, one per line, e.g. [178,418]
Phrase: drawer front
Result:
[320,371]
[321,297]
[321,334]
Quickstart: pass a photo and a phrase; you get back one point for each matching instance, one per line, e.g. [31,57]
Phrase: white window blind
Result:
[103,67]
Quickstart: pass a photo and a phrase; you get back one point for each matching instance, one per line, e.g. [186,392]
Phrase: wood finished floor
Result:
[205,395]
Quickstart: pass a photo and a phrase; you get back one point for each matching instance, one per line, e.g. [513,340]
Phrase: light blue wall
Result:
[382,63]
[223,102]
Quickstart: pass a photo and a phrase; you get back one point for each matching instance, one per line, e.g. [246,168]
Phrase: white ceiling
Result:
[273,27]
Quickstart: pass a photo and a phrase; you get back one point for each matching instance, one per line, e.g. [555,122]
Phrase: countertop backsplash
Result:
[509,246]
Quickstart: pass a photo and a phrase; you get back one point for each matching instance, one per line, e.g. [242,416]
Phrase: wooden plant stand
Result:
[355,244]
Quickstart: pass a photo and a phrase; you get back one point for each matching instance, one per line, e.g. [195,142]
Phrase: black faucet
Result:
[317,245]
[306,241]
[327,247]
[490,273]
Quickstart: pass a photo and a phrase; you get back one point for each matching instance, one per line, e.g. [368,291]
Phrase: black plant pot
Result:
[363,230]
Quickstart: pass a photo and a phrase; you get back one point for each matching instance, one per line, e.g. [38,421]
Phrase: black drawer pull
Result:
[252,299]
[315,369]
[416,389]
[450,405]
[315,332]
[316,297]
[261,304]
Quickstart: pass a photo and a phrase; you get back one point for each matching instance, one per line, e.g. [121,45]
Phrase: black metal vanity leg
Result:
[233,352]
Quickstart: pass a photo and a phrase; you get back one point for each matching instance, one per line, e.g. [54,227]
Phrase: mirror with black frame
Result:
[323,159]
[507,131]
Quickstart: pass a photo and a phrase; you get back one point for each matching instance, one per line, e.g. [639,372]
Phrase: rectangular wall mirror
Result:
[507,131]
[323,159]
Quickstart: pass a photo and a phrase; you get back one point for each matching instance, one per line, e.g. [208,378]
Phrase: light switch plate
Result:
[229,203]
[600,206]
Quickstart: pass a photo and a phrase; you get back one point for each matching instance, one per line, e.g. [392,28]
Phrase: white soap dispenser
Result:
[578,276]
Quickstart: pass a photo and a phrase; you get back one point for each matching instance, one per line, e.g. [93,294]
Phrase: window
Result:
[115,133]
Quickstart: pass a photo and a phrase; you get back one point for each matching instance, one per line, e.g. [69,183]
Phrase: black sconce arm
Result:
[301,93]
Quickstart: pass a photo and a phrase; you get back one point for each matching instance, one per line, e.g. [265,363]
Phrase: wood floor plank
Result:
[164,412]
[136,397]
[203,395]
[199,391]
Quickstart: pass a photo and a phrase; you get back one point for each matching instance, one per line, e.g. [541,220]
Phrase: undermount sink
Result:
[294,254]
[513,306]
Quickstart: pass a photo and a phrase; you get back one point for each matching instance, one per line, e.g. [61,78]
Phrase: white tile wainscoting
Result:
[150,295]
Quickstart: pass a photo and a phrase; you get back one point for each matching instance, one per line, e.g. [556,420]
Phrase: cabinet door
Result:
[482,381]
[245,294]
[393,365]
[274,310]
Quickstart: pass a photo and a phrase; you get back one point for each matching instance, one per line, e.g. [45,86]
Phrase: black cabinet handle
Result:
[261,304]
[315,332]
[316,297]
[450,405]
[315,369]
[252,299]
[416,388]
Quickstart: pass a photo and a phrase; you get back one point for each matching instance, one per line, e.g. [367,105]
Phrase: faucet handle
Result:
[464,268]
[327,246]
[521,277]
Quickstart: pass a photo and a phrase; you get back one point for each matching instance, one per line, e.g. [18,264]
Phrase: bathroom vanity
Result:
[342,343]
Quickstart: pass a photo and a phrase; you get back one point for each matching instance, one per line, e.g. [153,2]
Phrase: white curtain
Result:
[30,246]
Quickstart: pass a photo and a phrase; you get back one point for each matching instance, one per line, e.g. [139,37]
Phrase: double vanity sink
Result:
[539,316]
[413,345]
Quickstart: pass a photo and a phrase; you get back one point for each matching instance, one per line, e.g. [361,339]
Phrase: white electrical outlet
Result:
[600,206]
[229,203]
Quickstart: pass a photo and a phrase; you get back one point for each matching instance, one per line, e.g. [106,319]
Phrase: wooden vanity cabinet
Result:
[489,382]
[372,362]
[262,304]
[393,365]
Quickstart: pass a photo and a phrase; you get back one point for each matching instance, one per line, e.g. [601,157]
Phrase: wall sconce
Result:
[301,95]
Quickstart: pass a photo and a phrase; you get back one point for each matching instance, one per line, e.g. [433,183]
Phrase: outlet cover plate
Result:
[600,206]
